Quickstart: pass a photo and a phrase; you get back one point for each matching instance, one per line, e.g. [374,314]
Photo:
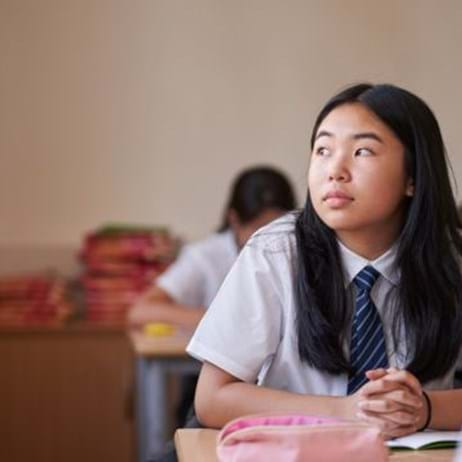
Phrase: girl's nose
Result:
[338,170]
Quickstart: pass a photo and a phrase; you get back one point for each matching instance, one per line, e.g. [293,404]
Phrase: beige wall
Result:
[142,111]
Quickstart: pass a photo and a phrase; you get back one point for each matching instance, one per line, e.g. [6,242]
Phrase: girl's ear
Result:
[410,188]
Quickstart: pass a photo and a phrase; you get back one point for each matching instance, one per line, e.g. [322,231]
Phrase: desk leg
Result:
[152,407]
[141,412]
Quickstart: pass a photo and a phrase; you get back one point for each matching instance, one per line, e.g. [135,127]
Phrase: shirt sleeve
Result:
[184,280]
[241,330]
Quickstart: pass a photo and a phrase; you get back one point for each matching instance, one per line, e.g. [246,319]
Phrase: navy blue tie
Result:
[367,346]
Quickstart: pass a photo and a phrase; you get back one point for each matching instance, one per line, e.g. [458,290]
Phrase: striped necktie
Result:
[367,346]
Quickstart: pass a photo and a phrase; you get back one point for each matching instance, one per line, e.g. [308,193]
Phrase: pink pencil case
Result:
[297,438]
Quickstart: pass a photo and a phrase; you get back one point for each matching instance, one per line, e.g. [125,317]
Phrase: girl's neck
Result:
[368,245]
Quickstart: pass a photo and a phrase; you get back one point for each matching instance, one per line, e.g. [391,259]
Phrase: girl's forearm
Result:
[238,398]
[446,409]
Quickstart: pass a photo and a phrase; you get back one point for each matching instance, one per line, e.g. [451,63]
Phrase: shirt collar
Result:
[385,264]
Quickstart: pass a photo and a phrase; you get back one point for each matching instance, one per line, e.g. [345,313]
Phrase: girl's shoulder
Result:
[277,236]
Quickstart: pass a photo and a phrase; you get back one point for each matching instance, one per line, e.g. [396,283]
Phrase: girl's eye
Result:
[363,152]
[322,151]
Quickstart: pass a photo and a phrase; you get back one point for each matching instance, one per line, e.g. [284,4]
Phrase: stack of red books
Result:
[120,262]
[33,299]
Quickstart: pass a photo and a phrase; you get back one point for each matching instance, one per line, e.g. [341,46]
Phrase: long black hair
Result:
[429,250]
[256,190]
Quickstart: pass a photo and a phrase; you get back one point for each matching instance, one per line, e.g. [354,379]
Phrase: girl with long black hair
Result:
[353,306]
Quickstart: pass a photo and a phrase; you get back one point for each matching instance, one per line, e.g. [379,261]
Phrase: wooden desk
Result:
[156,357]
[64,393]
[198,445]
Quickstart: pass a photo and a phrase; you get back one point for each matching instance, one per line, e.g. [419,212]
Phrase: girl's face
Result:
[357,178]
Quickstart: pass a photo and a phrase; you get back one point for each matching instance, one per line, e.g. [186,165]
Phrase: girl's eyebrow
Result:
[323,133]
[357,136]
[368,135]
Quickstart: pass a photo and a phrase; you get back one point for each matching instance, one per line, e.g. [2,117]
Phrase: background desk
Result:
[65,393]
[156,357]
[199,446]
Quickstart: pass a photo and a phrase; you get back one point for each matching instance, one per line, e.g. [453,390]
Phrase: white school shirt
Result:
[196,275]
[249,329]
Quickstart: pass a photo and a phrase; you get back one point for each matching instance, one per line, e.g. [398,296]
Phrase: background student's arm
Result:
[221,397]
[156,305]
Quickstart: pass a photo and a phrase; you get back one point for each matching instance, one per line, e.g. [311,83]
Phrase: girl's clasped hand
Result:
[393,400]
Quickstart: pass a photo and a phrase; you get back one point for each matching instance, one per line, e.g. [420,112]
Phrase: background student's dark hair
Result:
[255,190]
[430,291]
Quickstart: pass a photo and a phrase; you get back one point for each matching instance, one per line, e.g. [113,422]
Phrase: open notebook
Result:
[458,457]
[426,440]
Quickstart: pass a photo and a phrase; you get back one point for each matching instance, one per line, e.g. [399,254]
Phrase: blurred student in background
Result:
[181,295]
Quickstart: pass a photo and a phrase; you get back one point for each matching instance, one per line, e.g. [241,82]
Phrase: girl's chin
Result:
[342,224]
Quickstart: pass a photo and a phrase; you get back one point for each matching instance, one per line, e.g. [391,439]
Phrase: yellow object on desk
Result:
[159,329]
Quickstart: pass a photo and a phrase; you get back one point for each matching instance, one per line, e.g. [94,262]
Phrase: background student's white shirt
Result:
[249,330]
[195,277]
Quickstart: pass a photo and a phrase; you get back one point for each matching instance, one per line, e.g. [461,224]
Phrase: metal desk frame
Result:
[152,395]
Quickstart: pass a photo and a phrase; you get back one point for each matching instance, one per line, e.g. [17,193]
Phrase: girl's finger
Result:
[406,398]
[388,427]
[375,374]
[383,424]
[384,405]
[400,397]
[379,386]
[405,378]
[392,369]
[394,374]
[400,415]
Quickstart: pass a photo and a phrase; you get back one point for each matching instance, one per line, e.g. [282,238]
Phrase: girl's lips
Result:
[337,195]
[337,199]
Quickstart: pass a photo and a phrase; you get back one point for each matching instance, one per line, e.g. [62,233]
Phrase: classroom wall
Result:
[143,110]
